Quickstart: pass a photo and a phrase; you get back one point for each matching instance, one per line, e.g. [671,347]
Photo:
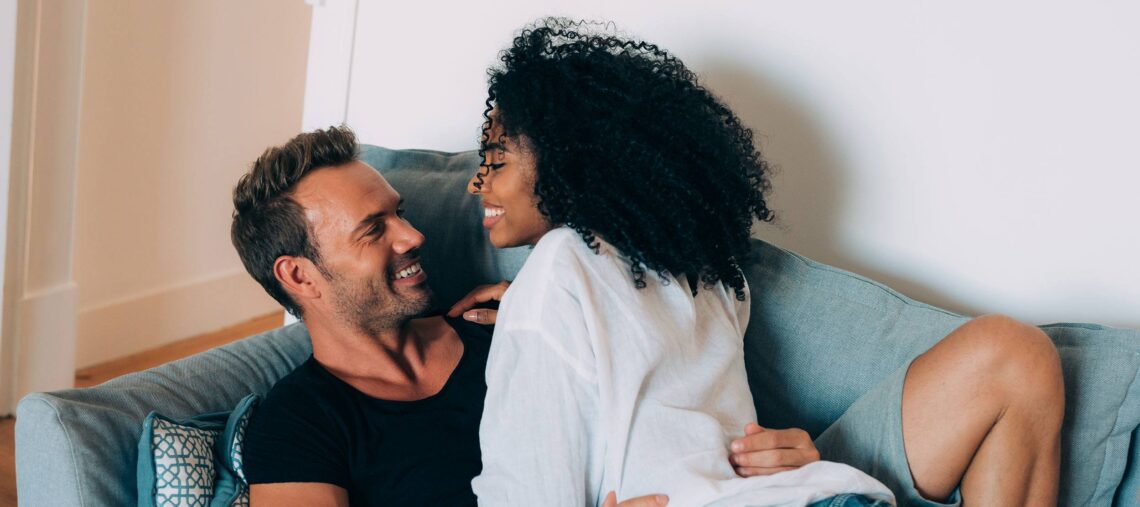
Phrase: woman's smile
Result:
[492,215]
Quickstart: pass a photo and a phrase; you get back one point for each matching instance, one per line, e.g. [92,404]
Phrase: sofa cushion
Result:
[820,337]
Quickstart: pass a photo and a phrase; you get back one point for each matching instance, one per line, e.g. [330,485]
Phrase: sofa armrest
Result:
[79,446]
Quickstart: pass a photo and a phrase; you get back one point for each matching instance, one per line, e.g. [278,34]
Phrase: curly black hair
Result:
[631,148]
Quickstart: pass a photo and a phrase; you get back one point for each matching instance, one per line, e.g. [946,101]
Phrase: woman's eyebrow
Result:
[495,146]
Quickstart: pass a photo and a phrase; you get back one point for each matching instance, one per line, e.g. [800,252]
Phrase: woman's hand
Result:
[765,451]
[641,501]
[480,294]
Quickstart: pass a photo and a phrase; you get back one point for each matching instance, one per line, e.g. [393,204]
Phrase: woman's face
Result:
[510,210]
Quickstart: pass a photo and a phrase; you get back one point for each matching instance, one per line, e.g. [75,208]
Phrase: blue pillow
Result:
[194,462]
[229,450]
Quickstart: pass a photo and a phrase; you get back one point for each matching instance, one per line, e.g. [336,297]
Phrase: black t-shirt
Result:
[314,427]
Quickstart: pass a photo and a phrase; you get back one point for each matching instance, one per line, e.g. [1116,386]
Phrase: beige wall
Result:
[178,98]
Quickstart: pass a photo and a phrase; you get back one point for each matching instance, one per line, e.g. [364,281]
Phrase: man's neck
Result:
[410,361]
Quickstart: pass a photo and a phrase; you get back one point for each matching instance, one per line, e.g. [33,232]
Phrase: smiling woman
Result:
[505,184]
[607,156]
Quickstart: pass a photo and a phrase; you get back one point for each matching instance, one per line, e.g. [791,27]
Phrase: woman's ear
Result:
[298,276]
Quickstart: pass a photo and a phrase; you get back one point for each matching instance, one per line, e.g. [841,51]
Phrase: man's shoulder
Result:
[294,435]
[300,391]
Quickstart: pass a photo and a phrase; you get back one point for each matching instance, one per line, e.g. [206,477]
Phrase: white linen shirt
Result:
[594,385]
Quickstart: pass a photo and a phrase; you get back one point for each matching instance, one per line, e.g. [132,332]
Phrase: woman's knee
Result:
[1019,357]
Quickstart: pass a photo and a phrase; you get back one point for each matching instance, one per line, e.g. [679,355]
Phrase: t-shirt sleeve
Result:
[291,438]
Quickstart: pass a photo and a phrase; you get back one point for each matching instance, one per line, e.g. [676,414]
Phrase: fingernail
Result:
[472,316]
[662,500]
[737,446]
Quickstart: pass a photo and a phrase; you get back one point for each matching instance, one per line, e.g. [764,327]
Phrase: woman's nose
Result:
[477,182]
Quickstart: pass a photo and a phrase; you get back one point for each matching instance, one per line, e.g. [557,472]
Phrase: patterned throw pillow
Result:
[177,464]
[183,463]
[195,462]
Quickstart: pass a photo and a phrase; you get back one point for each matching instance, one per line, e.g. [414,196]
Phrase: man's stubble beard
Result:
[372,308]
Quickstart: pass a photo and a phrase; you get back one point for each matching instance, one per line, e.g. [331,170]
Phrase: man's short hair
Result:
[267,221]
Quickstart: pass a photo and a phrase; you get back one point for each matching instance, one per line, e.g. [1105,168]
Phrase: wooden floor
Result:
[103,372]
[7,462]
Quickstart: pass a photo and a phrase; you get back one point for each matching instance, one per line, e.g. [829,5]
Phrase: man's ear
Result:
[298,276]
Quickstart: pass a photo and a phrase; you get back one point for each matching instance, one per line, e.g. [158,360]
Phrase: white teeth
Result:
[493,212]
[408,271]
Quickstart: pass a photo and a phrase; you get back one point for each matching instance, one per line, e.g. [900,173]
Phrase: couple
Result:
[617,361]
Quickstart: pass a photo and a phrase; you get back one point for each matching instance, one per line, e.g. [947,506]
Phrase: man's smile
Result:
[409,274]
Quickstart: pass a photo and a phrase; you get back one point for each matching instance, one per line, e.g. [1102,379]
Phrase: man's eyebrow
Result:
[368,221]
[373,218]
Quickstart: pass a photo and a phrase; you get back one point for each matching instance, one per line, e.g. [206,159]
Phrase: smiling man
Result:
[387,408]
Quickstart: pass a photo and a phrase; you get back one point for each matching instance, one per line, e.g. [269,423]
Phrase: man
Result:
[387,409]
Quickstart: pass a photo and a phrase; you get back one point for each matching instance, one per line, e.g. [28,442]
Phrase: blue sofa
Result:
[78,446]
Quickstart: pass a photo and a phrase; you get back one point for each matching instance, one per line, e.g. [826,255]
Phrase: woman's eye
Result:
[400,212]
[496,167]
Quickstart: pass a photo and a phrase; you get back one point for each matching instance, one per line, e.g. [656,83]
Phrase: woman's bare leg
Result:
[983,408]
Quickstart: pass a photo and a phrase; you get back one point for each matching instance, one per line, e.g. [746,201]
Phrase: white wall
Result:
[976,155]
[178,99]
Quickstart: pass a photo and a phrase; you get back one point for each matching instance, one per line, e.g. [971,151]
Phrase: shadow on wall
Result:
[810,176]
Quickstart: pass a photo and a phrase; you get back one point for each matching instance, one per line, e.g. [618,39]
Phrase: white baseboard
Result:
[45,347]
[131,325]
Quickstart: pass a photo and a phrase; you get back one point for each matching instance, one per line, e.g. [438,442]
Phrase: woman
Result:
[617,362]
[600,145]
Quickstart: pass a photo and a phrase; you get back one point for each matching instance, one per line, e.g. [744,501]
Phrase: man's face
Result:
[370,265]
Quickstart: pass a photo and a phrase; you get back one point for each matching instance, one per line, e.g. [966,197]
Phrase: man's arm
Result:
[765,451]
[297,494]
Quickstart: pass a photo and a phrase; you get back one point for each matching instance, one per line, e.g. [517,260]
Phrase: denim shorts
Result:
[868,436]
[850,501]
